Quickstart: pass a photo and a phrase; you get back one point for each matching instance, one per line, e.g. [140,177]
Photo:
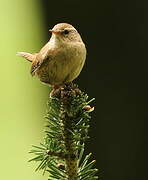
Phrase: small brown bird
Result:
[61,60]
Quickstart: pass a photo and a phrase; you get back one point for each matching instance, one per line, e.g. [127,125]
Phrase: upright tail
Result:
[28,56]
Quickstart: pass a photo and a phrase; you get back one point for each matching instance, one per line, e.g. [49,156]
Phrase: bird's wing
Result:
[37,63]
[46,54]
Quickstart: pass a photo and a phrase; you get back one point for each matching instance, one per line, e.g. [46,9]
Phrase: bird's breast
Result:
[65,66]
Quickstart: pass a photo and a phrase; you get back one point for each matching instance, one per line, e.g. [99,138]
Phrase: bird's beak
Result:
[54,31]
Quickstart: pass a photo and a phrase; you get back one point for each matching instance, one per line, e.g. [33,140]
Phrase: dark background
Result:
[116,36]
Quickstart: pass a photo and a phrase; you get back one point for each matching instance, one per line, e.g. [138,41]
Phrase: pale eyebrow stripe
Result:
[70,29]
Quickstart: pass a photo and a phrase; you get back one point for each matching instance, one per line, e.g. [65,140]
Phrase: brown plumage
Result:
[61,59]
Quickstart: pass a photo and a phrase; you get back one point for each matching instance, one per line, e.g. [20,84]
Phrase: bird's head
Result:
[65,32]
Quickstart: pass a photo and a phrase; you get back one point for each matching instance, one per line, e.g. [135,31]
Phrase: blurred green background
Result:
[22,98]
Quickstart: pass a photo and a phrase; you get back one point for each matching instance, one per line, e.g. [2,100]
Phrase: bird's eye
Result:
[66,32]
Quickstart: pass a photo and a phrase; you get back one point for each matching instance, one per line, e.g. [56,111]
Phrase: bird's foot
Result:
[56,90]
[64,91]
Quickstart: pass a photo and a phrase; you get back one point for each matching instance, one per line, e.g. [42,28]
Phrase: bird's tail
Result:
[28,56]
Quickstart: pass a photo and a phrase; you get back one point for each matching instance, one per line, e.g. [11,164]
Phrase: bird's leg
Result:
[63,90]
[69,85]
[56,90]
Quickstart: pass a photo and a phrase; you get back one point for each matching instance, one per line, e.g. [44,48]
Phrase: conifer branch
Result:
[68,119]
